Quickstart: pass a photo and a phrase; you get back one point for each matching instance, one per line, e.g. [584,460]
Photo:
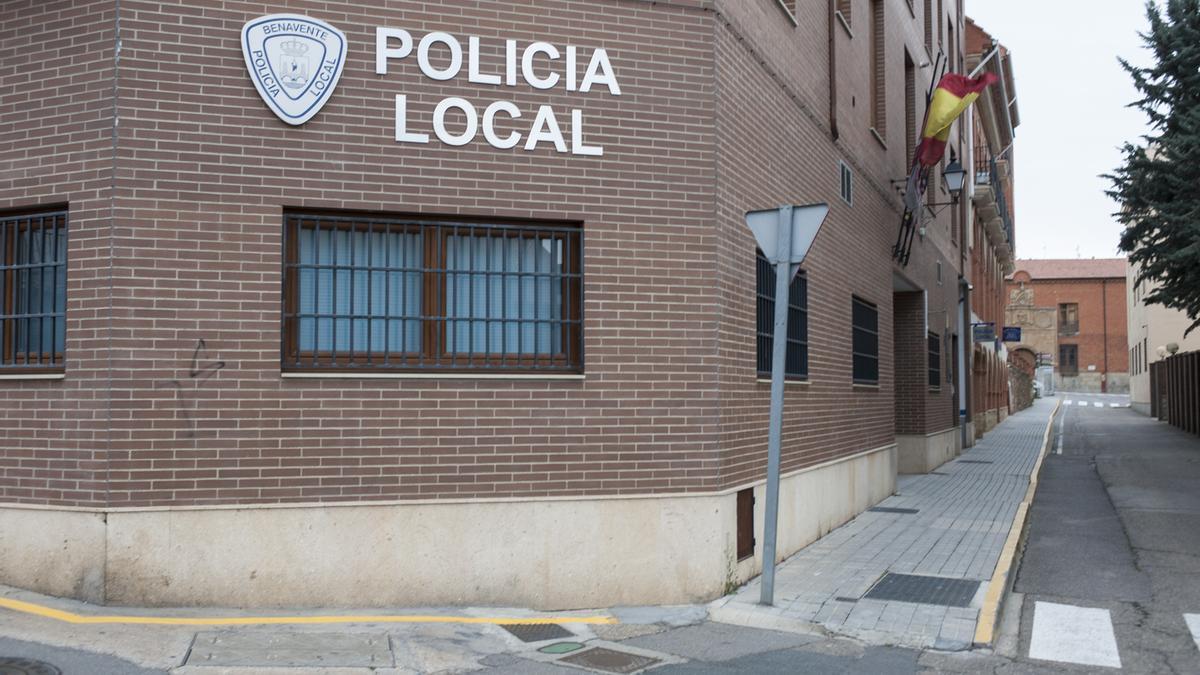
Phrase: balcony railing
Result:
[987,175]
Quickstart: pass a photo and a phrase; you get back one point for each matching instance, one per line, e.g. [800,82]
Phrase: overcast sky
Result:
[1072,94]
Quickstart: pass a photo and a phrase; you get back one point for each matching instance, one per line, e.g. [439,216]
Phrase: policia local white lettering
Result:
[394,43]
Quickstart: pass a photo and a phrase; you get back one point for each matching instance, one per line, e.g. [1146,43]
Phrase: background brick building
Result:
[1088,298]
[181,446]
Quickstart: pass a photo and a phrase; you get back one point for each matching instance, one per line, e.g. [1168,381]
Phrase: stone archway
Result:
[1023,358]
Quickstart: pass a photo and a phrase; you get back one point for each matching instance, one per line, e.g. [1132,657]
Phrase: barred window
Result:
[796,359]
[1068,318]
[1068,359]
[935,361]
[865,341]
[419,295]
[33,291]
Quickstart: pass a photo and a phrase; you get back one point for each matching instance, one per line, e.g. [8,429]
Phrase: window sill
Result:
[300,375]
[786,382]
[879,137]
[33,376]
[845,24]
[866,387]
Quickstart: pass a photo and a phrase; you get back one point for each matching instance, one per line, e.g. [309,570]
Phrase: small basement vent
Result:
[745,523]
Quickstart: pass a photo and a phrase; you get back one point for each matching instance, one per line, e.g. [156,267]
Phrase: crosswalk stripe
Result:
[1068,402]
[1070,634]
[1114,405]
[1193,623]
[1084,403]
[1098,404]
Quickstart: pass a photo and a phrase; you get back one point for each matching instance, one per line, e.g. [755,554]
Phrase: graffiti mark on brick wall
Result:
[199,371]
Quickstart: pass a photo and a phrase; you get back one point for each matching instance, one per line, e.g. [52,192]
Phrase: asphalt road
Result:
[1112,562]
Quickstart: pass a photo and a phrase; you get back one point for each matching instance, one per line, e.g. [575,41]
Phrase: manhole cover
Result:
[924,590]
[11,666]
[890,509]
[536,632]
[610,660]
[974,461]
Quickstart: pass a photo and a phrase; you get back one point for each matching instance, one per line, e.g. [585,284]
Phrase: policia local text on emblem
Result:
[296,61]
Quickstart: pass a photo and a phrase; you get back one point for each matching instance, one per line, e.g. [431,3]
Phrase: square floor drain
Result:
[610,660]
[890,509]
[924,590]
[536,632]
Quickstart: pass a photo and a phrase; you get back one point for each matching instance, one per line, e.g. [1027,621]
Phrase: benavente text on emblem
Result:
[294,61]
[540,65]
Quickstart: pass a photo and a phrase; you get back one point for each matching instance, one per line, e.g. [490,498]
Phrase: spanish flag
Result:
[954,94]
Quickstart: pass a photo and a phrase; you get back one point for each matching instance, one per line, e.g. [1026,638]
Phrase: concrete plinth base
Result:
[544,554]
[922,454]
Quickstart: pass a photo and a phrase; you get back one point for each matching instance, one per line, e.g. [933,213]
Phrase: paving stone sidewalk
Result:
[964,511]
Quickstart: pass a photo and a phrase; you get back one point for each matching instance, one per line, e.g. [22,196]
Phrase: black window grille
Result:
[796,359]
[419,295]
[935,361]
[865,342]
[1068,359]
[33,291]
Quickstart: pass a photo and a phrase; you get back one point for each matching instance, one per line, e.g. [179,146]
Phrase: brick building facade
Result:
[189,422]
[992,234]
[1088,299]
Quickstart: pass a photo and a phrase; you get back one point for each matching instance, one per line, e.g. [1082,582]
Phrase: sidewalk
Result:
[913,571]
[949,527]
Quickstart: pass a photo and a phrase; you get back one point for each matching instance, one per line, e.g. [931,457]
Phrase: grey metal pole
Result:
[783,282]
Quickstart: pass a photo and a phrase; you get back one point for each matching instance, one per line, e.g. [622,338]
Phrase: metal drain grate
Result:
[14,666]
[890,509]
[974,461]
[537,632]
[924,590]
[609,660]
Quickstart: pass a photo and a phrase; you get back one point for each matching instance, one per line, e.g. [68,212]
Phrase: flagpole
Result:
[979,68]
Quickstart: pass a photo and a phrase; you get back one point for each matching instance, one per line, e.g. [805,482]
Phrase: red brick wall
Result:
[56,121]
[724,109]
[780,150]
[1092,295]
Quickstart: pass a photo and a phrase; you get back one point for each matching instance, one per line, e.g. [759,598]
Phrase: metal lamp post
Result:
[784,235]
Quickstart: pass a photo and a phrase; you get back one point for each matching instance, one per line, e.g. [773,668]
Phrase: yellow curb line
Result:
[985,630]
[71,617]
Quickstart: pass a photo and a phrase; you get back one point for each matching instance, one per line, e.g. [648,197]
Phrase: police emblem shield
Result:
[294,61]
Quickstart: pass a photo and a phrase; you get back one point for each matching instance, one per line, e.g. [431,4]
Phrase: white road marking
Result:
[1071,634]
[1083,403]
[1114,405]
[1098,404]
[1068,402]
[1193,622]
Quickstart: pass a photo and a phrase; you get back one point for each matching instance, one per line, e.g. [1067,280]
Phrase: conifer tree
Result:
[1158,186]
